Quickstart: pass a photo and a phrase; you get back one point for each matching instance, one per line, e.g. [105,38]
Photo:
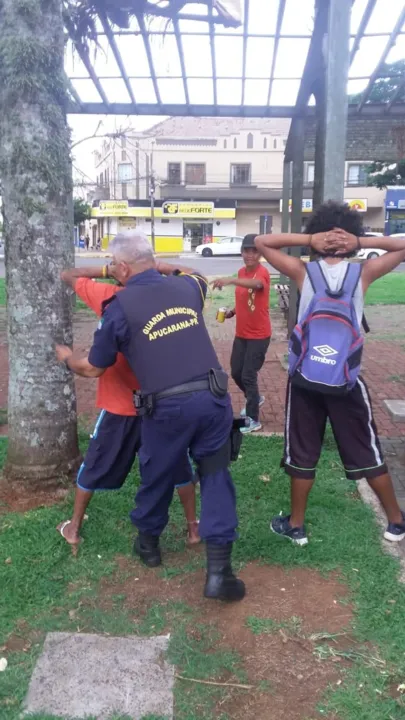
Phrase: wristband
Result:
[358,244]
[104,272]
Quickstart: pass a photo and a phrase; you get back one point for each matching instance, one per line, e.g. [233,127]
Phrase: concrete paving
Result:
[83,675]
[396,409]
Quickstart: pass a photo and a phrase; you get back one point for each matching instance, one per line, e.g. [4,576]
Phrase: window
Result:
[357,174]
[235,143]
[124,191]
[123,155]
[240,174]
[310,176]
[125,172]
[265,143]
[250,141]
[195,173]
[275,143]
[101,179]
[174,173]
[225,144]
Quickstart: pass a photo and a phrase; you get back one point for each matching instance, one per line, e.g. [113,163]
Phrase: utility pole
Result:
[152,188]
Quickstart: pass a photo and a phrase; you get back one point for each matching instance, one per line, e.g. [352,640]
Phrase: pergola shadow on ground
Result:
[150,63]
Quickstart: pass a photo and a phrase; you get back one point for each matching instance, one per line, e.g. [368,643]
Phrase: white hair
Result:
[131,247]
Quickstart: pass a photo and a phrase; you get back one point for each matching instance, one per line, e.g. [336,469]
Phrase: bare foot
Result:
[66,529]
[193,537]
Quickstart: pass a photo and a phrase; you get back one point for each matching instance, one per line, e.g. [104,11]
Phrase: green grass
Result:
[43,582]
[389,290]
[226,298]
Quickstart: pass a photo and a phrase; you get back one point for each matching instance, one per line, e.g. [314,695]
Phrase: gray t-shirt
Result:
[335,275]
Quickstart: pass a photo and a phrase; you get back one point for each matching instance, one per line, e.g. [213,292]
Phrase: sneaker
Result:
[251,426]
[261,402]
[281,526]
[395,531]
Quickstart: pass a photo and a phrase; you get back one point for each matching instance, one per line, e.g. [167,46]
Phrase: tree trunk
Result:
[36,184]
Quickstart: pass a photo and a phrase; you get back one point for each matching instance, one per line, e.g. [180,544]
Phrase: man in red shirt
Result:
[253,328]
[116,437]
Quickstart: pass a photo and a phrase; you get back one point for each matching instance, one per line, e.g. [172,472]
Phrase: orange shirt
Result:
[115,386]
[253,320]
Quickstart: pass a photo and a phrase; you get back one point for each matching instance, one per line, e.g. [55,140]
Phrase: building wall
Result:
[366,138]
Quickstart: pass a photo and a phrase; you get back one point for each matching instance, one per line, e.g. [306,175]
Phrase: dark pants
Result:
[246,360]
[198,423]
[352,421]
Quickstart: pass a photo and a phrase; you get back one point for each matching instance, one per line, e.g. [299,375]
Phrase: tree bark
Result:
[36,183]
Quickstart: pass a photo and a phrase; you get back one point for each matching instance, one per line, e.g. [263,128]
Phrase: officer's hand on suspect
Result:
[63,352]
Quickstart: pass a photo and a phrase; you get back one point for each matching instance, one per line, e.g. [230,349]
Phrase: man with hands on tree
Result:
[116,438]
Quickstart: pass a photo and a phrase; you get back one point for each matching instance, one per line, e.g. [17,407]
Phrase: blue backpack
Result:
[326,345]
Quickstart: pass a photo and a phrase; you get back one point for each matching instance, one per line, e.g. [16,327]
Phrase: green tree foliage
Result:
[383,174]
[385,87]
[81,211]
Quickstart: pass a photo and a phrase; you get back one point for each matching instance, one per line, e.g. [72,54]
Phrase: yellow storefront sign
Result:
[355,204]
[112,208]
[188,209]
[359,205]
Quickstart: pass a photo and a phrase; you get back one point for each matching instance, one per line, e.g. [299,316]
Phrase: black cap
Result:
[249,241]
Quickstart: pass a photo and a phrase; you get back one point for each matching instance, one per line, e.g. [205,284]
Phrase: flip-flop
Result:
[61,529]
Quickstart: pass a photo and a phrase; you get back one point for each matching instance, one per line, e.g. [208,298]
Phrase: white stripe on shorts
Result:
[373,439]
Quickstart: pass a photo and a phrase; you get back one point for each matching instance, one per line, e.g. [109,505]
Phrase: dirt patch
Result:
[23,496]
[280,661]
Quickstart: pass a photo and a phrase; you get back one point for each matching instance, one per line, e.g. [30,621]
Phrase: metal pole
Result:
[296,210]
[152,201]
[318,190]
[337,60]
[285,212]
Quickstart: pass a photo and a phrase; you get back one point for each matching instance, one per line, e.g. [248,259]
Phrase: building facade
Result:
[211,178]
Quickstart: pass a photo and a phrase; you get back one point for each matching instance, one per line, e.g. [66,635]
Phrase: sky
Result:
[290,61]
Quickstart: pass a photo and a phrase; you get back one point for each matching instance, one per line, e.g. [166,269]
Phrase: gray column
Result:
[296,210]
[318,191]
[336,55]
[285,213]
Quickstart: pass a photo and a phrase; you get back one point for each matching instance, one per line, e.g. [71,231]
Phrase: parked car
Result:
[224,246]
[369,253]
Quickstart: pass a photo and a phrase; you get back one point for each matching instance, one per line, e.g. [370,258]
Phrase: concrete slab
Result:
[396,409]
[82,675]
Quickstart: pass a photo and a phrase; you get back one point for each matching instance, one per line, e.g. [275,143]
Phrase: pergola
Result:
[200,64]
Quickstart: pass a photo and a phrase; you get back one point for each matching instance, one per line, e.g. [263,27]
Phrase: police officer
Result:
[157,323]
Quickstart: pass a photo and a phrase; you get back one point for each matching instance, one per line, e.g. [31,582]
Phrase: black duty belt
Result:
[184,388]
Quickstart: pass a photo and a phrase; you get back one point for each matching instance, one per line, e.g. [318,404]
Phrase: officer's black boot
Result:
[147,547]
[221,583]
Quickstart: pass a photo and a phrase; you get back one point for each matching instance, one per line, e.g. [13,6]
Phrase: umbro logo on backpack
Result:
[324,355]
[325,350]
[330,367]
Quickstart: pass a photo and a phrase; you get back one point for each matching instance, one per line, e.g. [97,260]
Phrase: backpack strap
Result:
[316,277]
[352,278]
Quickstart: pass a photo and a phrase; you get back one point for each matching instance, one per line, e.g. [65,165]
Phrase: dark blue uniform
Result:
[157,323]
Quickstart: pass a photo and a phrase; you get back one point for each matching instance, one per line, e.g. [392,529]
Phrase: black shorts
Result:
[112,451]
[353,426]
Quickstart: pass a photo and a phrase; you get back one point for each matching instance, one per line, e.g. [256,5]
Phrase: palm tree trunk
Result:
[36,184]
